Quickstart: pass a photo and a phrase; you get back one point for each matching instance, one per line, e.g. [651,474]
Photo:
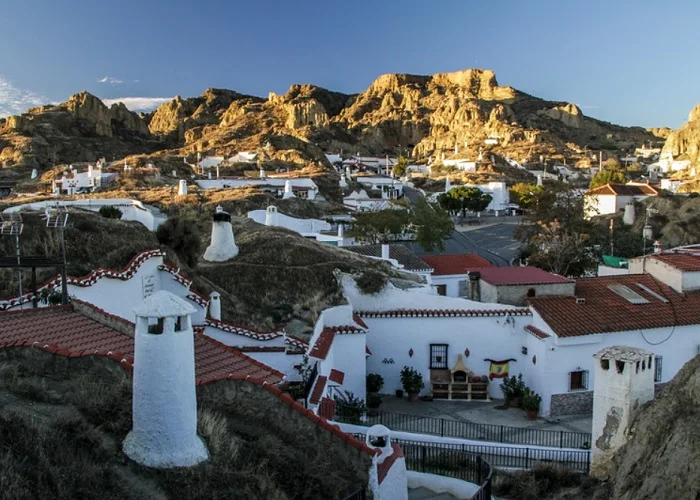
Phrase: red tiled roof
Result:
[356,317]
[239,330]
[525,275]
[537,332]
[322,344]
[445,265]
[605,311]
[318,390]
[689,262]
[77,335]
[336,376]
[624,190]
[443,313]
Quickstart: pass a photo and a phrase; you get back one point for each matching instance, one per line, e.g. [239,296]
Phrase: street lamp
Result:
[14,227]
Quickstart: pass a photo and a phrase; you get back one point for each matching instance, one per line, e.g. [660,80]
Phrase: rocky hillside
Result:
[684,143]
[425,115]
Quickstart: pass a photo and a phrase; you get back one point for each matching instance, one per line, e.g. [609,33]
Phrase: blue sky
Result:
[633,63]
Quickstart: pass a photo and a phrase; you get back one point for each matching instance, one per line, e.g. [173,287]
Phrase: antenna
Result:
[57,218]
[13,226]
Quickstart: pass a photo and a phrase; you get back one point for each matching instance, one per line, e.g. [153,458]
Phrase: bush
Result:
[411,380]
[180,234]
[513,387]
[349,408]
[373,400]
[375,382]
[371,282]
[531,400]
[110,212]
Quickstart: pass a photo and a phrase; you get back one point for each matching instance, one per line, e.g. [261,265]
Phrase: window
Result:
[578,380]
[441,289]
[462,284]
[438,356]
[157,327]
[658,366]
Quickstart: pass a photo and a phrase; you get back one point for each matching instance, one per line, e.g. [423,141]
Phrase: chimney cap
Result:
[163,304]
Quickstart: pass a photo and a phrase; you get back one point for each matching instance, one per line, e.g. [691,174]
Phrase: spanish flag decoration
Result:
[498,369]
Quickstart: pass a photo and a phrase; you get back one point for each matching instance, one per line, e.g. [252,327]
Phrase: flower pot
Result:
[412,396]
[532,414]
[515,402]
[399,393]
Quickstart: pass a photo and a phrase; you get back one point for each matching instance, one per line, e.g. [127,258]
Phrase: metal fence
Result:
[482,432]
[433,458]
[505,457]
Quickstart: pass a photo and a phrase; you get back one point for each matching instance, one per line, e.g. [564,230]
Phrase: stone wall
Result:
[572,403]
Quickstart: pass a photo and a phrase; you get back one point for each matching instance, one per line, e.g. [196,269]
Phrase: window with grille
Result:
[438,356]
[657,368]
[462,288]
[578,380]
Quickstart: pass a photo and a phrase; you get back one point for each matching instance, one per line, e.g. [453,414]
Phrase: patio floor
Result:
[485,413]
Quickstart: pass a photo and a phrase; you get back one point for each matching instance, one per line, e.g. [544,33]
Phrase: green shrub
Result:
[349,408]
[411,380]
[373,400]
[110,212]
[371,282]
[180,234]
[513,387]
[531,400]
[375,382]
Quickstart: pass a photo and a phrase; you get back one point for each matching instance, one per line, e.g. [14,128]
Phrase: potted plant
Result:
[375,382]
[399,393]
[374,400]
[412,382]
[513,390]
[531,404]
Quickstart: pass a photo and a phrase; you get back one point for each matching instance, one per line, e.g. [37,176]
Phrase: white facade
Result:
[455,284]
[164,432]
[497,190]
[300,184]
[624,381]
[223,245]
[72,181]
[675,278]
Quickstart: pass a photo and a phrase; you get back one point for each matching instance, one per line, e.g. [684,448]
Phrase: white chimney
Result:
[223,245]
[164,431]
[539,180]
[448,186]
[341,230]
[288,190]
[628,218]
[89,171]
[263,174]
[215,305]
[657,247]
[385,251]
[182,187]
[35,173]
[271,216]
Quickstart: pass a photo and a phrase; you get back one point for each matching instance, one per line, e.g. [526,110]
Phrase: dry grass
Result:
[71,448]
[544,481]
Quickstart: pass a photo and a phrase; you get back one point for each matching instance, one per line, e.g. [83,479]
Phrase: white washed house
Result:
[611,198]
[450,275]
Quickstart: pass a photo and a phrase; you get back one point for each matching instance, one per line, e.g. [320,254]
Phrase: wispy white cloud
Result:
[138,103]
[110,80]
[14,101]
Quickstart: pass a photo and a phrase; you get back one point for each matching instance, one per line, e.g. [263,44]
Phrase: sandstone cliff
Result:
[684,143]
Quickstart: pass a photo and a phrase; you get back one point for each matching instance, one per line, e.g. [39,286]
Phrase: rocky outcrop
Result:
[85,106]
[684,143]
[659,460]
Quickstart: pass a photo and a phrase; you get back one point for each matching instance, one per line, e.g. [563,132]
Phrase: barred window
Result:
[658,366]
[578,380]
[438,356]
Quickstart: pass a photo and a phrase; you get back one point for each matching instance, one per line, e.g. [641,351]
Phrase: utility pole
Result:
[612,237]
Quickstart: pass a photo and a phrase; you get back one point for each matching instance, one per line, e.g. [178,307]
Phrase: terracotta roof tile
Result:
[214,361]
[604,311]
[319,387]
[336,376]
[445,265]
[356,317]
[444,313]
[525,275]
[537,332]
[322,344]
[688,262]
[624,190]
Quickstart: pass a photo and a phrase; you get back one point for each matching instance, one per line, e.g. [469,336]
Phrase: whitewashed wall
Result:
[451,282]
[349,354]
[485,337]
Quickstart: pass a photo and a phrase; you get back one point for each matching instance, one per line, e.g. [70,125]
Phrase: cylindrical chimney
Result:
[215,306]
[385,251]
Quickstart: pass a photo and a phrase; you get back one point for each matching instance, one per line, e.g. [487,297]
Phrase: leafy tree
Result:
[433,225]
[180,233]
[525,195]
[561,252]
[464,198]
[378,227]
[399,169]
[612,172]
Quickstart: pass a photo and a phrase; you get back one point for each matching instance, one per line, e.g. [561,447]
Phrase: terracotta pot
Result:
[532,414]
[514,402]
[412,396]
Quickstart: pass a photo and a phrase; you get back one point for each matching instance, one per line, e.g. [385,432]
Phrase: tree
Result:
[525,195]
[464,198]
[561,252]
[611,173]
[399,169]
[433,225]
[378,227]
[180,233]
